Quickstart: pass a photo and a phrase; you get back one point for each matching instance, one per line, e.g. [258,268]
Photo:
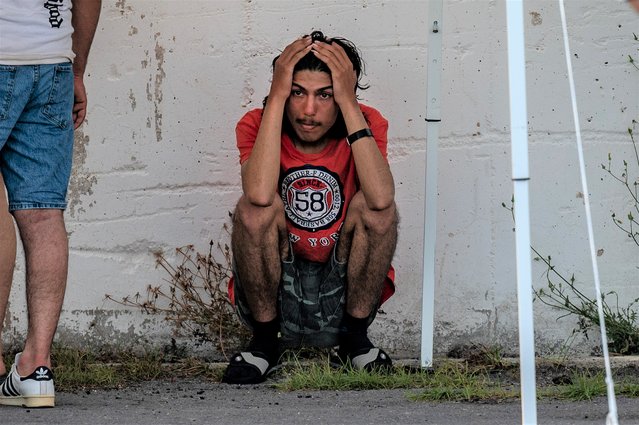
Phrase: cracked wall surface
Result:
[155,165]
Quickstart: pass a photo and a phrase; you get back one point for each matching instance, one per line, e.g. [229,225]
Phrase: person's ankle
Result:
[353,334]
[265,338]
[28,362]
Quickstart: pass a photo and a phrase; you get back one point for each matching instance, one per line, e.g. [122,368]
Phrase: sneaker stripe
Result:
[8,389]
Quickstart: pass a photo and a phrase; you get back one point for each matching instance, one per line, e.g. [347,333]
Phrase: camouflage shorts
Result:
[311,301]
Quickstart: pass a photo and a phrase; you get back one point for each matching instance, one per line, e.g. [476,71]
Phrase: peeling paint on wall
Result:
[122,7]
[536,18]
[132,99]
[157,89]
[248,45]
[82,181]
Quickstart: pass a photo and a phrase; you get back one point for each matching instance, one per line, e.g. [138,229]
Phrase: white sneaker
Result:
[35,390]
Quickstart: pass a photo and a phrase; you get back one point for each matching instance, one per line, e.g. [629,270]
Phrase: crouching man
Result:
[315,230]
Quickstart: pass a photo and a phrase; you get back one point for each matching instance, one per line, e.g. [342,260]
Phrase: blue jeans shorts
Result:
[311,302]
[36,134]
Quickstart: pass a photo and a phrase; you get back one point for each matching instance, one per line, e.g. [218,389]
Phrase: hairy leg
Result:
[367,241]
[7,261]
[44,238]
[259,242]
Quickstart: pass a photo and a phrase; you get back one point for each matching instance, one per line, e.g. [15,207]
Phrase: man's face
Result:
[311,107]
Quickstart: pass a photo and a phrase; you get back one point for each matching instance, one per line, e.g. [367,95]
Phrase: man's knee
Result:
[42,228]
[383,221]
[34,218]
[257,220]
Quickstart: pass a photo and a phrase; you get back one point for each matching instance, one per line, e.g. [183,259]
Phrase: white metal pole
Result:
[611,418]
[520,172]
[433,119]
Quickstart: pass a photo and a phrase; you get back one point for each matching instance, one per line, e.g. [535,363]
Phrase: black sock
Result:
[265,338]
[353,334]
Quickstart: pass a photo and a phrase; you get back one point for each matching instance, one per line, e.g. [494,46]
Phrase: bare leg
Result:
[45,244]
[7,261]
[367,241]
[259,242]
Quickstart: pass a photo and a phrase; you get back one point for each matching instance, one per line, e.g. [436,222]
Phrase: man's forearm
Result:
[260,172]
[373,171]
[85,15]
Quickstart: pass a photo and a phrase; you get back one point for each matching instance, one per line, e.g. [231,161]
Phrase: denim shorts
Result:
[36,134]
[311,302]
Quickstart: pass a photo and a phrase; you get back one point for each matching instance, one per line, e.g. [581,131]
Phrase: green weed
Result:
[585,386]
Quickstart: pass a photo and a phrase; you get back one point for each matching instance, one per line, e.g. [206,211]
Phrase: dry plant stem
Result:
[632,187]
[196,302]
[620,321]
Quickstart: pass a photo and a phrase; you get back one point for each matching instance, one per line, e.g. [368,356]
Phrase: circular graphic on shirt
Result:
[312,197]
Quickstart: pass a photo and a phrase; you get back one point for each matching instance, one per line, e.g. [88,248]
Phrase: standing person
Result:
[44,46]
[315,230]
[7,262]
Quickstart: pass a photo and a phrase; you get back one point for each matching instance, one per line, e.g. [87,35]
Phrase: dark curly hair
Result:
[310,62]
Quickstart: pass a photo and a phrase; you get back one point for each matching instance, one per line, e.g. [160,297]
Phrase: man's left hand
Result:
[79,101]
[342,72]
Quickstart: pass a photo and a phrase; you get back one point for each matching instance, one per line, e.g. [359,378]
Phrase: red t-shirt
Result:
[317,188]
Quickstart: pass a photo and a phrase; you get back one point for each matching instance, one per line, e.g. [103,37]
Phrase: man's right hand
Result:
[284,66]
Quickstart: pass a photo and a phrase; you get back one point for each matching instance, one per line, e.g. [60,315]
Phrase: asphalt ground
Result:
[190,401]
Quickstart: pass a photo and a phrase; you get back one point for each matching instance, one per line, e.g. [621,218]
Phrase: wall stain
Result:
[114,74]
[132,99]
[82,181]
[157,88]
[249,46]
[536,18]
[133,30]
[122,7]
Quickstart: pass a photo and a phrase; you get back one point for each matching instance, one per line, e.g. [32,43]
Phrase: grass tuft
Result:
[81,370]
[585,385]
[322,376]
[450,381]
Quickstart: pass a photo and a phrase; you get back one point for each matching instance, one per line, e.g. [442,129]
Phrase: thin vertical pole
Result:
[520,172]
[612,418]
[433,119]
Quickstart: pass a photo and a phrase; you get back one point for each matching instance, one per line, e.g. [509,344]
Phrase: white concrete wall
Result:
[156,165]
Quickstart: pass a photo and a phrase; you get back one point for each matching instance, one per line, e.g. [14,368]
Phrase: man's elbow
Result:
[260,199]
[381,202]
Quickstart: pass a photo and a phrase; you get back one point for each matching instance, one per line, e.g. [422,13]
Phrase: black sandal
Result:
[248,367]
[368,359]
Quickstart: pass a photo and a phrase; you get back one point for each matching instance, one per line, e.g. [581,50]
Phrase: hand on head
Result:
[285,64]
[342,72]
[330,56]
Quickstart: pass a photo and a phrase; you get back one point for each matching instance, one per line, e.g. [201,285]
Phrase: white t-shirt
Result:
[35,32]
